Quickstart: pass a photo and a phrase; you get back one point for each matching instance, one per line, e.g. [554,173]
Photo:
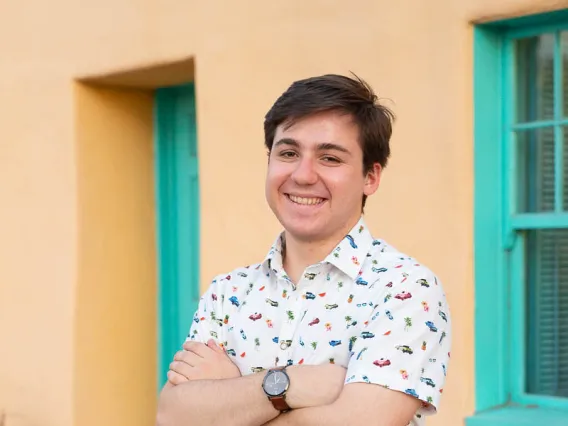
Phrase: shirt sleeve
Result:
[405,345]
[208,318]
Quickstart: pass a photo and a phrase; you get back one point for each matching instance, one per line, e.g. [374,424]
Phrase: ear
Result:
[372,180]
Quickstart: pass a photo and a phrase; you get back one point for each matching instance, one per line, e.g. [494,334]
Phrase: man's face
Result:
[315,181]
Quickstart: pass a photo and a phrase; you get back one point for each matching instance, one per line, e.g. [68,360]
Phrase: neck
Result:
[299,254]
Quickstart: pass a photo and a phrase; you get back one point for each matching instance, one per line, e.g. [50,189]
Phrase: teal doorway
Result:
[177,206]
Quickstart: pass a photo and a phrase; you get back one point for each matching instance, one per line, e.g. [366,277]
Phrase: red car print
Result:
[315,321]
[403,296]
[382,362]
[214,296]
[255,316]
[389,284]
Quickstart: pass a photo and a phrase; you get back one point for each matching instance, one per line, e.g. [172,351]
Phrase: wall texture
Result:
[61,155]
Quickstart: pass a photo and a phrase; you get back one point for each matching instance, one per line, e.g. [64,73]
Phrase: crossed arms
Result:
[205,388]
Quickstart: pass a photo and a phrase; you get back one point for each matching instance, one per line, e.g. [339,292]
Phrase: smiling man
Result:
[334,326]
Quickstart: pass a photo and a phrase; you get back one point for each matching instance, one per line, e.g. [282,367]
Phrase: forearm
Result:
[239,401]
[323,415]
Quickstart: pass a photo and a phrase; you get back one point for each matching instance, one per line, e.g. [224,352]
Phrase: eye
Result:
[330,159]
[287,154]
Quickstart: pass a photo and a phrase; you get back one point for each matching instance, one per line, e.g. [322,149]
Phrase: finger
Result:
[182,369]
[176,378]
[190,358]
[197,348]
[213,345]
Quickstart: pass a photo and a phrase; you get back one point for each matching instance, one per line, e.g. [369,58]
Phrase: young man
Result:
[334,327]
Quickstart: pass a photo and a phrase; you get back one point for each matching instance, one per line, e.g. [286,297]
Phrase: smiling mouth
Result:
[305,201]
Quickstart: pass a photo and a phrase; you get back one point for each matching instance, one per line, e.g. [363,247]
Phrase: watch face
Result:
[275,383]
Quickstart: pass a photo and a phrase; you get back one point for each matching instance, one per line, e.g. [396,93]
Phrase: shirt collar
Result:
[348,255]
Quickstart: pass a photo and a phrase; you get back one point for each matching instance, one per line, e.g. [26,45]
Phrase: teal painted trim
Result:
[533,31]
[543,401]
[177,195]
[518,319]
[539,124]
[509,169]
[550,21]
[519,416]
[539,221]
[558,133]
[491,315]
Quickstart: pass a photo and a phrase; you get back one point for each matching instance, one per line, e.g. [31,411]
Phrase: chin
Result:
[304,232]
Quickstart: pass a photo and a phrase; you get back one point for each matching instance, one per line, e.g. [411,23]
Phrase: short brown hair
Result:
[336,92]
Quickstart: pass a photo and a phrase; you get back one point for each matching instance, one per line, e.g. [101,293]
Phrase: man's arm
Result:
[358,404]
[238,401]
[241,401]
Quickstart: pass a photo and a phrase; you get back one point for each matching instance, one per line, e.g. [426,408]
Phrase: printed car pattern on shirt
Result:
[375,311]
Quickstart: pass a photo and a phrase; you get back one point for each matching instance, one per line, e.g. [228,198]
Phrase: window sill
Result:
[519,416]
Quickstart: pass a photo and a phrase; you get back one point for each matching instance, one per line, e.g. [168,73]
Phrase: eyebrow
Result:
[326,146]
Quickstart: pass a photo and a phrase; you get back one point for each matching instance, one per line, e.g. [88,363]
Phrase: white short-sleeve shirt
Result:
[375,311]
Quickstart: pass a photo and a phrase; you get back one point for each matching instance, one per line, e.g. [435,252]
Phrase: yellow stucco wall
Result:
[77,311]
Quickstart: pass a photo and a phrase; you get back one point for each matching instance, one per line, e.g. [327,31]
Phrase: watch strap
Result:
[279,402]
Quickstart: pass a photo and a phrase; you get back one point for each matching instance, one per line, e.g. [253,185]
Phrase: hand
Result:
[201,362]
[314,385]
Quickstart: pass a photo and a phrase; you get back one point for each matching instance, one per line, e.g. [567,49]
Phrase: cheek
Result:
[344,185]
[276,175]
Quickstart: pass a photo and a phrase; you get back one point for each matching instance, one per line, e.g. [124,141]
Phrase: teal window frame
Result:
[499,311]
[178,213]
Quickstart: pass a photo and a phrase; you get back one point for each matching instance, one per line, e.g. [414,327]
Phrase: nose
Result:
[305,172]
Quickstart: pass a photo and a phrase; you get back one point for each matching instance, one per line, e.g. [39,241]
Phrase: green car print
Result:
[331,306]
[271,302]
[405,349]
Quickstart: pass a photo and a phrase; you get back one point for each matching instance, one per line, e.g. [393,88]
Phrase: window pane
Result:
[535,170]
[565,168]
[547,307]
[534,78]
[564,41]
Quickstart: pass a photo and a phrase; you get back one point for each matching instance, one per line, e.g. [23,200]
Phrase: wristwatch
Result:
[275,385]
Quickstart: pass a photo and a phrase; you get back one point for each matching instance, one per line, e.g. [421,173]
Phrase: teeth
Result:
[305,201]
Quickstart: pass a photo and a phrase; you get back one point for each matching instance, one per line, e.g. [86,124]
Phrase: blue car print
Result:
[367,335]
[310,296]
[428,382]
[243,335]
[234,301]
[443,315]
[231,352]
[389,315]
[335,343]
[411,392]
[431,326]
[361,281]
[379,270]
[366,379]
[351,241]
